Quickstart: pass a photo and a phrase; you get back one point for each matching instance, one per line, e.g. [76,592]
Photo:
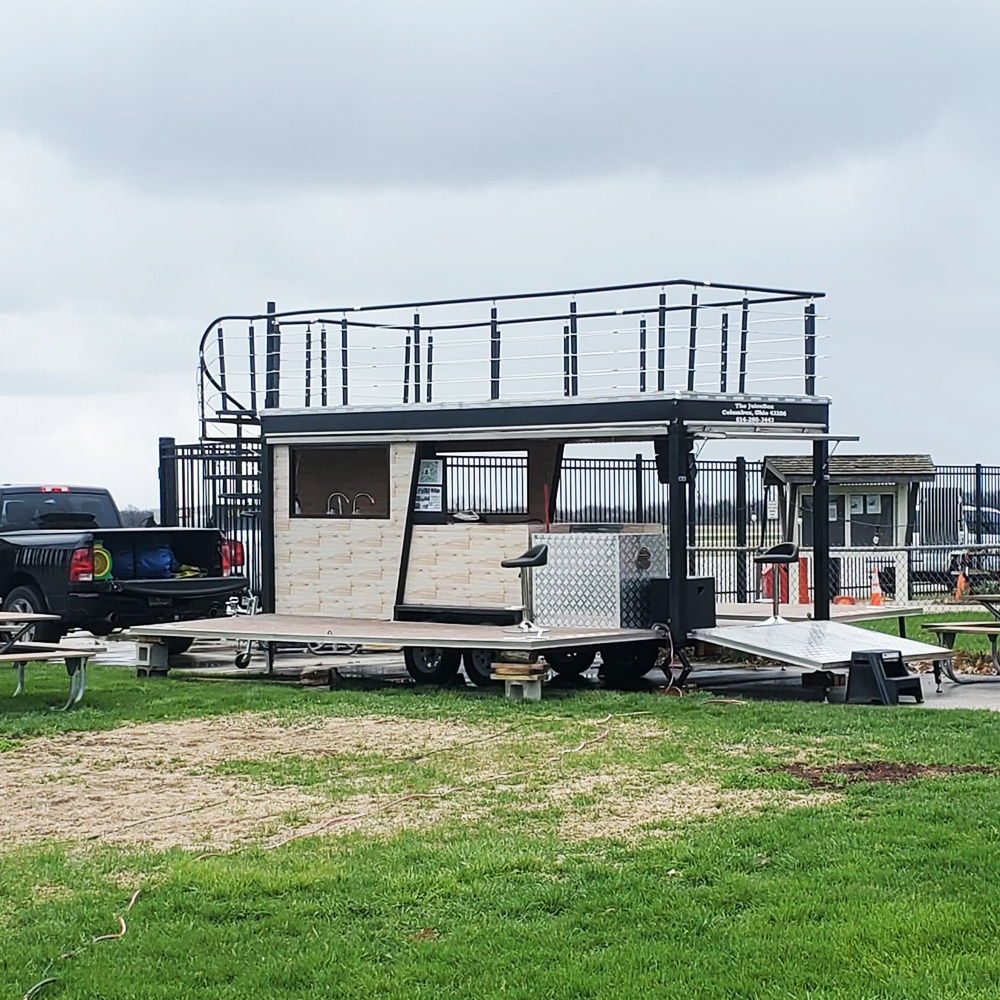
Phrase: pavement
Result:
[215,660]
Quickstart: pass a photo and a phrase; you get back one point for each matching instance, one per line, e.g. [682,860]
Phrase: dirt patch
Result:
[626,803]
[833,775]
[147,784]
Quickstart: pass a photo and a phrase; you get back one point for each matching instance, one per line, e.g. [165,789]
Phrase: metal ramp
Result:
[815,645]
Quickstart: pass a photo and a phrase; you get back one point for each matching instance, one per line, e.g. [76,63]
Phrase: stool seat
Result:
[537,555]
[783,552]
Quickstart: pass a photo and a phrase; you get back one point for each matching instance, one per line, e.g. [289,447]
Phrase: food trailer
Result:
[365,412]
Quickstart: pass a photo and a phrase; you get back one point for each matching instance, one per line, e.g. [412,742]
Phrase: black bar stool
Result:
[537,555]
[776,556]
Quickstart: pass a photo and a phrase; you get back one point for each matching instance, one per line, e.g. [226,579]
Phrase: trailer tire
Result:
[626,662]
[431,664]
[178,645]
[243,660]
[570,662]
[28,599]
[478,665]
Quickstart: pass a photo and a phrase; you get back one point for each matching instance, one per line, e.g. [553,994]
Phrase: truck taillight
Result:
[232,555]
[81,566]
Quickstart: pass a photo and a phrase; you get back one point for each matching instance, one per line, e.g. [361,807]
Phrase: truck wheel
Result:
[478,665]
[28,600]
[570,662]
[431,665]
[179,645]
[626,662]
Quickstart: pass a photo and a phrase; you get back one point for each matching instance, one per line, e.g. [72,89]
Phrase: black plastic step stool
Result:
[879,676]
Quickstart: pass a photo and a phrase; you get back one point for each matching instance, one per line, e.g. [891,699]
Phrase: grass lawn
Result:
[661,852]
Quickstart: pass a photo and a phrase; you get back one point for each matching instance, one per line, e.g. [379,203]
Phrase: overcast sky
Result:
[164,163]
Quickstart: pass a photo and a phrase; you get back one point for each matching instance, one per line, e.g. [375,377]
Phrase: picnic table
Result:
[15,625]
[948,631]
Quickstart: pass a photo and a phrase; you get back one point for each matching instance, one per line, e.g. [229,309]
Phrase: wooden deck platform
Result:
[372,632]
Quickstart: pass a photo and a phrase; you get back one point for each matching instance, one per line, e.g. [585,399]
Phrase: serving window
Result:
[340,482]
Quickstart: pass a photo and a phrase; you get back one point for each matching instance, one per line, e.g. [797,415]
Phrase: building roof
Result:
[848,469]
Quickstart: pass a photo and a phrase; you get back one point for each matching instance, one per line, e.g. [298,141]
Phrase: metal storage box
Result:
[597,579]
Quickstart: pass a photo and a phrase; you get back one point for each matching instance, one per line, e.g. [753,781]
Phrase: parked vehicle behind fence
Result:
[63,551]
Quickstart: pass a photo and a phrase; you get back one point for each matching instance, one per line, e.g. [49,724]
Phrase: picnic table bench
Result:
[14,625]
[948,631]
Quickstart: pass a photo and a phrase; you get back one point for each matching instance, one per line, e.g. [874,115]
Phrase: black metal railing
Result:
[652,336]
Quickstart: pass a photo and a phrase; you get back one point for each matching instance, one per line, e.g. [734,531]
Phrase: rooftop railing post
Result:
[343,361]
[494,355]
[253,368]
[574,351]
[272,360]
[693,342]
[322,364]
[744,333]
[661,349]
[724,353]
[430,367]
[308,393]
[642,354]
[222,369]
[416,357]
[406,370]
[810,348]
[566,362]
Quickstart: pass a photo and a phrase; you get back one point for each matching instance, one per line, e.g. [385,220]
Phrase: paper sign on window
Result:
[857,503]
[873,503]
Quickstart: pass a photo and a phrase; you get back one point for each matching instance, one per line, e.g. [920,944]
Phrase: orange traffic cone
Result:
[876,601]
[961,586]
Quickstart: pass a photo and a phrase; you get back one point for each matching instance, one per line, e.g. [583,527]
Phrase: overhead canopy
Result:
[850,470]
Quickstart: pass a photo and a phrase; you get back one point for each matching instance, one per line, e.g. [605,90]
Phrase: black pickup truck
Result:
[63,551]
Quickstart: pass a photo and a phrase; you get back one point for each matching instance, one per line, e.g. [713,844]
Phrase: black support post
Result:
[309,337]
[661,344]
[406,370]
[979,504]
[642,355]
[343,360]
[430,367]
[416,357]
[810,349]
[168,482]
[566,381]
[222,368]
[640,493]
[272,360]
[744,332]
[574,369]
[678,451]
[742,556]
[821,531]
[253,369]
[693,342]
[322,364]
[724,353]
[494,355]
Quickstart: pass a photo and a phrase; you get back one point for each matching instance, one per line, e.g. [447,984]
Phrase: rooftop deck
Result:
[674,341]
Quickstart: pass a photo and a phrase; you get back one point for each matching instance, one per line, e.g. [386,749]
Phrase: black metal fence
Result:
[731,513]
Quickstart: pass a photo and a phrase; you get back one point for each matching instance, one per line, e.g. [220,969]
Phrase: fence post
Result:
[272,360]
[741,530]
[821,531]
[640,499]
[168,482]
[979,504]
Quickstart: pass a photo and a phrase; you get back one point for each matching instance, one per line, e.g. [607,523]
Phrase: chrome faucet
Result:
[340,498]
[357,497]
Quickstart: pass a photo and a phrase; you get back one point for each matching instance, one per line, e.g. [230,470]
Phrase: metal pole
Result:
[272,360]
[343,361]
[741,530]
[222,369]
[692,515]
[693,341]
[678,449]
[566,363]
[744,330]
[430,366]
[308,362]
[661,351]
[642,354]
[573,348]
[322,363]
[416,357]
[253,371]
[810,349]
[724,353]
[640,499]
[406,371]
[494,355]
[821,531]
[979,504]
[168,482]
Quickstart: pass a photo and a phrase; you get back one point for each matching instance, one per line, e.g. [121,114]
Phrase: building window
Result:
[340,482]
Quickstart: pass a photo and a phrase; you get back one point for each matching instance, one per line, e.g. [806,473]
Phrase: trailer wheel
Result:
[243,660]
[431,664]
[478,665]
[178,645]
[570,662]
[626,662]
